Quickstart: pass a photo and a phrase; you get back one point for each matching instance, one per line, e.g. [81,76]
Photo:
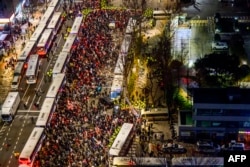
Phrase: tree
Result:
[219,70]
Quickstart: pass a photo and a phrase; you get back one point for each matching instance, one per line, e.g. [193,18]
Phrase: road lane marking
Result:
[25,92]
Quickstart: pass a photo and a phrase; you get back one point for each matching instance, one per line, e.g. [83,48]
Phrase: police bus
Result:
[60,65]
[139,161]
[76,25]
[26,52]
[45,42]
[31,147]
[122,141]
[55,87]
[37,33]
[67,47]
[54,3]
[198,161]
[33,69]
[19,69]
[47,16]
[55,22]
[46,112]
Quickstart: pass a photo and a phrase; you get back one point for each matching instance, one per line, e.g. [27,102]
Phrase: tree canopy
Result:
[220,70]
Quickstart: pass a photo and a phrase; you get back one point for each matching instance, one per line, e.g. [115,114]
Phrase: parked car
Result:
[219,46]
[207,147]
[234,146]
[173,148]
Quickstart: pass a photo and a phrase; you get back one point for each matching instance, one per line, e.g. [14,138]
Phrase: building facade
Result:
[218,114]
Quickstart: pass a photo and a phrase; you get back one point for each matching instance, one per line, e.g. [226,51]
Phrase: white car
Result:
[219,45]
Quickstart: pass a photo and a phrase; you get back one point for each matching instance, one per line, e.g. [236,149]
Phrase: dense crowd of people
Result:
[79,132]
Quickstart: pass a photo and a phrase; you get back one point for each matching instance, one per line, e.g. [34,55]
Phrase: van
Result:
[15,82]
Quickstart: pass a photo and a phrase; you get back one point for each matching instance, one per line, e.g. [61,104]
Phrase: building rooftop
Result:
[232,95]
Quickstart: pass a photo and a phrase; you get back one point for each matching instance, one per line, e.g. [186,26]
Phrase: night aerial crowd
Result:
[79,131]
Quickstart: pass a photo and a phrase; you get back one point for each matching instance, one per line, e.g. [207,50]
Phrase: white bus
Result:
[119,68]
[33,69]
[46,112]
[55,22]
[47,16]
[139,161]
[54,3]
[125,45]
[131,26]
[117,86]
[155,114]
[69,43]
[37,33]
[45,42]
[55,86]
[10,106]
[198,161]
[122,141]
[19,69]
[31,147]
[26,52]
[60,65]
[76,25]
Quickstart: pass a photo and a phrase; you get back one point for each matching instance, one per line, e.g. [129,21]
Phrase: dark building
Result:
[219,114]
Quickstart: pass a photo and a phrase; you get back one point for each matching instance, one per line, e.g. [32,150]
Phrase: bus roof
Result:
[32,65]
[62,57]
[125,45]
[198,161]
[119,65]
[53,3]
[131,26]
[47,15]
[121,139]
[45,112]
[140,161]
[69,42]
[117,83]
[10,99]
[18,68]
[155,111]
[76,25]
[44,38]
[31,142]
[55,85]
[26,51]
[39,30]
[56,16]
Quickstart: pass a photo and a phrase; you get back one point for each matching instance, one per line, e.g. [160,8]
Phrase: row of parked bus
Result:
[37,136]
[38,45]
[28,61]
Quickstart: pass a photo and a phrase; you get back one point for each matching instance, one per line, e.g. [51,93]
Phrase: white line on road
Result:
[25,91]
